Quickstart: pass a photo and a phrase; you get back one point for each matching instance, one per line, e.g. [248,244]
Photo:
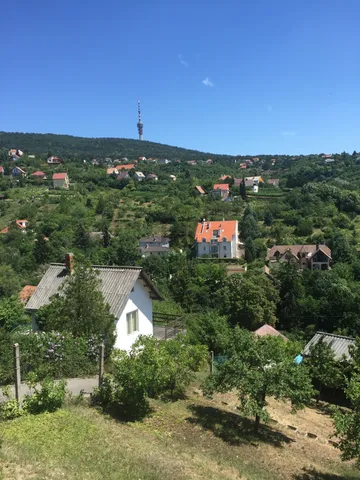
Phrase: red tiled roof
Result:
[128,166]
[204,230]
[38,174]
[225,177]
[26,293]
[221,186]
[200,189]
[59,176]
[5,230]
[269,330]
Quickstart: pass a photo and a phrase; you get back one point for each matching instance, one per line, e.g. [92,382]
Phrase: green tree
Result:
[250,250]
[347,424]
[341,250]
[291,292]
[248,300]
[248,225]
[9,281]
[258,368]
[210,329]
[12,314]
[42,251]
[268,218]
[100,206]
[82,238]
[79,307]
[124,249]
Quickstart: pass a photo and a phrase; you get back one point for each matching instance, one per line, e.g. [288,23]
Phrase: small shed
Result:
[339,344]
[269,330]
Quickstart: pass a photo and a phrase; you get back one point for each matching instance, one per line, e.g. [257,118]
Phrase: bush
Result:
[49,398]
[152,369]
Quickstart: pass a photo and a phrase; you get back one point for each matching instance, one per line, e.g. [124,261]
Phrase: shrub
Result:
[151,369]
[49,398]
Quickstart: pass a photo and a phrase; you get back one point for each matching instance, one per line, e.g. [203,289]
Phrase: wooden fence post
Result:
[101,363]
[211,362]
[17,371]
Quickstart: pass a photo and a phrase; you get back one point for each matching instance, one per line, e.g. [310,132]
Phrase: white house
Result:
[164,161]
[217,239]
[139,176]
[128,291]
[54,160]
[60,180]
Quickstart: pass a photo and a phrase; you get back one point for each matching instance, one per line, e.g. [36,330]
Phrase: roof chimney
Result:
[69,263]
[317,246]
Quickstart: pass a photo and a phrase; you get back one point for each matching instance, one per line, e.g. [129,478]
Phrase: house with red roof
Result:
[267,330]
[60,180]
[39,175]
[221,189]
[54,160]
[128,166]
[218,239]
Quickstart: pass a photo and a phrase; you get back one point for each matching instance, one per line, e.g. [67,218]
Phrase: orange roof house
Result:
[129,166]
[225,177]
[218,239]
[221,189]
[200,190]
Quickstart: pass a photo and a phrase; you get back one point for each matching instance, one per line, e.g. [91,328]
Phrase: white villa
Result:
[217,239]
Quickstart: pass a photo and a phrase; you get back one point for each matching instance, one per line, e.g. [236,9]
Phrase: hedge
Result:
[55,355]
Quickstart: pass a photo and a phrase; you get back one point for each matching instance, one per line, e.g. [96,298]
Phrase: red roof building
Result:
[221,189]
[38,174]
[266,330]
[200,190]
[129,166]
[218,239]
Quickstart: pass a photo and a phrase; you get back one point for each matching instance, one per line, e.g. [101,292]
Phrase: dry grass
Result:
[194,438]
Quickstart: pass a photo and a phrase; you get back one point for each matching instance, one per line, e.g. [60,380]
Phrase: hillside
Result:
[69,146]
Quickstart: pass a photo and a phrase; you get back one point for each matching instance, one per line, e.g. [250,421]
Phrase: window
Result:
[216,233]
[132,324]
[224,247]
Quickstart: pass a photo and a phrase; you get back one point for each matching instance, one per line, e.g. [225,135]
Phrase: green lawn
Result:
[195,438]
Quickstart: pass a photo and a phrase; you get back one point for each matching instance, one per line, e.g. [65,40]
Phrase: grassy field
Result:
[194,438]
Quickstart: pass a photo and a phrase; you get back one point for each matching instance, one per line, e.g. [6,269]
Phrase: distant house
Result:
[22,224]
[251,181]
[273,181]
[142,159]
[200,190]
[313,257]
[221,189]
[243,166]
[54,160]
[173,177]
[128,166]
[60,180]
[225,177]
[111,171]
[329,160]
[139,176]
[237,182]
[209,161]
[31,156]
[127,290]
[15,153]
[26,293]
[154,245]
[338,343]
[151,176]
[266,330]
[2,171]
[327,155]
[164,161]
[17,172]
[191,162]
[256,159]
[122,175]
[39,175]
[217,239]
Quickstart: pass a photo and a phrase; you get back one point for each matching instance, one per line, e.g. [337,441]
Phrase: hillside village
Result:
[255,253]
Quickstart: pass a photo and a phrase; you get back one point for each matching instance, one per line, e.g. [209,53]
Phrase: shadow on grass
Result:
[234,429]
[312,474]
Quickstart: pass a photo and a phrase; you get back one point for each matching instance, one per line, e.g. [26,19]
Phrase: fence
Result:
[17,370]
[167,326]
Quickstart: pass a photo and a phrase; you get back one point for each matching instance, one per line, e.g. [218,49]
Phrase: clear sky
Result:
[223,76]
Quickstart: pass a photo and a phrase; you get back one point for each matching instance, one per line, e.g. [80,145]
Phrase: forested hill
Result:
[69,146]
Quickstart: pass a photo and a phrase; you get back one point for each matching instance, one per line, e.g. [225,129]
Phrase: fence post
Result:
[101,363]
[211,362]
[17,371]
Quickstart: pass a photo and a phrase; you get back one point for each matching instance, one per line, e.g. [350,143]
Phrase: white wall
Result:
[139,299]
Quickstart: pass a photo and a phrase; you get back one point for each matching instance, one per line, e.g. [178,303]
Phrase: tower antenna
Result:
[140,124]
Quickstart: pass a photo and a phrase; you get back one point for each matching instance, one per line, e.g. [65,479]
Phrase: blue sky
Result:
[223,76]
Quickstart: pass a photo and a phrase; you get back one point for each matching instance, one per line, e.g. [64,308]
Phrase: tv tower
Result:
[140,125]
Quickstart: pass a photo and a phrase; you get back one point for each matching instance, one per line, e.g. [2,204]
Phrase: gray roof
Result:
[154,248]
[339,344]
[116,284]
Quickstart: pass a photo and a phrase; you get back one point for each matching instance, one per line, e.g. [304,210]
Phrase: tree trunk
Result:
[257,417]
